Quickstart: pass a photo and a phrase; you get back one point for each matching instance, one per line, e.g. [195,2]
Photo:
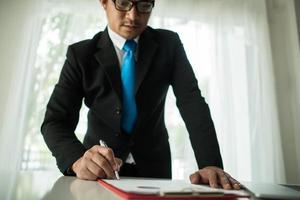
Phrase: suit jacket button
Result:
[118,134]
[118,111]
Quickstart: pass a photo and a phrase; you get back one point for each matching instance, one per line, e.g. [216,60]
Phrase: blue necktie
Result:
[128,82]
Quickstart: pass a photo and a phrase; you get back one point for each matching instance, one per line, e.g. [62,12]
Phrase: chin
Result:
[130,36]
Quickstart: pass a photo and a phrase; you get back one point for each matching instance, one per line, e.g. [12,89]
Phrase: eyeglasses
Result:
[141,6]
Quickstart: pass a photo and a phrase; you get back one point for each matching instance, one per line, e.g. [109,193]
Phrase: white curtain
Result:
[243,95]
[286,56]
[20,28]
[237,80]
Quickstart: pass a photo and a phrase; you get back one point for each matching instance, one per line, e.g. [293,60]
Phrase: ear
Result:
[103,3]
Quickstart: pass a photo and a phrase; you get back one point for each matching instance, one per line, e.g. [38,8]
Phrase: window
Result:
[58,31]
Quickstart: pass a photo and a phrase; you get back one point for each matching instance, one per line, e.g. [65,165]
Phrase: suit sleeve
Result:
[62,115]
[194,111]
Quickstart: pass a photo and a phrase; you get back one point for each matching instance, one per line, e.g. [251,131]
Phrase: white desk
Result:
[53,186]
[47,185]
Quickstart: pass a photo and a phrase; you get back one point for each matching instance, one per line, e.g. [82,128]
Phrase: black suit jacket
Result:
[92,72]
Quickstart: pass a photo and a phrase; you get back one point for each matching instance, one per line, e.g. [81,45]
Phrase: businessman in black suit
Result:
[131,121]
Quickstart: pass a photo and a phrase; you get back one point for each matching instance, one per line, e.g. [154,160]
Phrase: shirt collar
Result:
[118,40]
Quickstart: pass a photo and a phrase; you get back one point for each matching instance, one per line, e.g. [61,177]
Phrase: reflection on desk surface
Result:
[295,187]
[49,185]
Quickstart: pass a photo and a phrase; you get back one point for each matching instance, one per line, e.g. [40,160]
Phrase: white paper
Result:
[164,186]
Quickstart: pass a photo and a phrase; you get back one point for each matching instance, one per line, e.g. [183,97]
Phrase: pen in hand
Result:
[103,144]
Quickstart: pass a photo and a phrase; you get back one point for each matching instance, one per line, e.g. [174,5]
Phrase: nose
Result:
[132,14]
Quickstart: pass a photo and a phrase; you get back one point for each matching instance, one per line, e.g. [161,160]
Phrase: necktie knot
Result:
[130,45]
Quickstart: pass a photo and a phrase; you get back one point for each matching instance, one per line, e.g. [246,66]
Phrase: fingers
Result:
[97,162]
[213,179]
[224,180]
[215,176]
[108,154]
[81,171]
[119,163]
[195,178]
[236,185]
[98,165]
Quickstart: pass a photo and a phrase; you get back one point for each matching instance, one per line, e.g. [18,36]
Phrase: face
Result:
[128,24]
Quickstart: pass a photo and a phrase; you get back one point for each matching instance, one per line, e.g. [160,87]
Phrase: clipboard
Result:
[170,194]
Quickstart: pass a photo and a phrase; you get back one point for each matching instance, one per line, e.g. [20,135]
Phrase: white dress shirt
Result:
[118,42]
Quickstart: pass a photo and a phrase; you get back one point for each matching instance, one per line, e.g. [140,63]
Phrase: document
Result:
[166,188]
[155,186]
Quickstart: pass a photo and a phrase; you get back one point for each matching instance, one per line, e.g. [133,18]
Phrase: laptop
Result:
[273,190]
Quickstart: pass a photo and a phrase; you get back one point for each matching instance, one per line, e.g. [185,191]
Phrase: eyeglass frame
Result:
[134,3]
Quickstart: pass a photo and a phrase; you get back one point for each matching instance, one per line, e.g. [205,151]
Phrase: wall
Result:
[11,22]
[286,60]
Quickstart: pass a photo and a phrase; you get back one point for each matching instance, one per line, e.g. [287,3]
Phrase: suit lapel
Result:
[108,60]
[146,51]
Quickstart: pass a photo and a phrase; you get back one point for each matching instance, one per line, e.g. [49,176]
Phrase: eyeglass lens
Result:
[141,6]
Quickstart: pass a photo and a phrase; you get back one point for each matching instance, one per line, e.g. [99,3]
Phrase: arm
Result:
[62,116]
[196,115]
[194,111]
[60,121]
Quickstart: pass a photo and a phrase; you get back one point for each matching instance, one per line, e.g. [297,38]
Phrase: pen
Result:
[103,144]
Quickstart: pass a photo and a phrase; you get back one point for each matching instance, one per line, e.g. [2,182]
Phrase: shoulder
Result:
[166,39]
[162,34]
[84,50]
[86,46]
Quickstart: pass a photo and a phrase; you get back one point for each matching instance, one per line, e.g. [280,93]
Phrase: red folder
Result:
[134,196]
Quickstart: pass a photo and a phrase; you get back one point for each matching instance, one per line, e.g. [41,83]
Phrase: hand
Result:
[214,176]
[97,162]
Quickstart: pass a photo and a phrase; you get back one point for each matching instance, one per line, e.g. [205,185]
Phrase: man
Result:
[123,75]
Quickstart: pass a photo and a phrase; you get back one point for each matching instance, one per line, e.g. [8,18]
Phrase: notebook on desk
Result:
[132,188]
[271,191]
